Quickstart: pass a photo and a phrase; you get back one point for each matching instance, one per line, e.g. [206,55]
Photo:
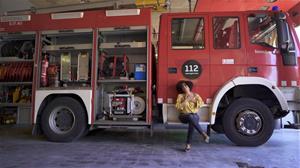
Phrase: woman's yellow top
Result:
[188,105]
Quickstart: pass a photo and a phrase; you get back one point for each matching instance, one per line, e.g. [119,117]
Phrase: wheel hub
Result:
[249,122]
[61,120]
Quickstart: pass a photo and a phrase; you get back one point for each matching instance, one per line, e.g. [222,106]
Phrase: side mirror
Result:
[283,31]
[285,41]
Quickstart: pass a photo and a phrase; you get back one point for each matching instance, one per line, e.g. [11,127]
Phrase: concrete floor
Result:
[135,148]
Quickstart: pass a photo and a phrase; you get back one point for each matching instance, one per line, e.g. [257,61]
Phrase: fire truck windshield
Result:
[262,31]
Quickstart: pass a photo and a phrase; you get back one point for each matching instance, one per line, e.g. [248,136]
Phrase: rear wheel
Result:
[248,122]
[64,120]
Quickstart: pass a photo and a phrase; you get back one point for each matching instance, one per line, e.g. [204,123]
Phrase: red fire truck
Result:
[95,69]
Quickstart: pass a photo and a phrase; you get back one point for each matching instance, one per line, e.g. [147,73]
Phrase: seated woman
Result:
[188,104]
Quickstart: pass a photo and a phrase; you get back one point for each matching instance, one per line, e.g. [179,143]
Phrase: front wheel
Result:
[64,120]
[248,122]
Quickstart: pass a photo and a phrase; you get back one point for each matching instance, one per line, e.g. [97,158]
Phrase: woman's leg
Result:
[194,120]
[185,118]
[190,134]
[199,129]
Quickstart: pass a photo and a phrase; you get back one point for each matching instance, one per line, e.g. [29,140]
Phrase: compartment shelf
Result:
[120,123]
[66,88]
[15,83]
[116,45]
[120,31]
[14,104]
[14,59]
[121,81]
[127,51]
[87,46]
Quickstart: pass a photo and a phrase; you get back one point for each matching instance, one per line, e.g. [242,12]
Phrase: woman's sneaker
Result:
[187,147]
[206,138]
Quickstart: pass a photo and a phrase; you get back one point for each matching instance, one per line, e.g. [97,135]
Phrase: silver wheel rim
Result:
[61,120]
[249,122]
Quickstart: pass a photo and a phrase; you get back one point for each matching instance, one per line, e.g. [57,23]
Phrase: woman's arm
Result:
[198,101]
[180,102]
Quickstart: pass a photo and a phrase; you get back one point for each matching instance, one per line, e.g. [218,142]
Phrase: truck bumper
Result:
[292,95]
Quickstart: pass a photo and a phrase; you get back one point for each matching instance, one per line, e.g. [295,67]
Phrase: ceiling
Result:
[54,3]
[203,5]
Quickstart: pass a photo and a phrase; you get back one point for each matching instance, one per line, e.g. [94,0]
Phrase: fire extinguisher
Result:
[44,76]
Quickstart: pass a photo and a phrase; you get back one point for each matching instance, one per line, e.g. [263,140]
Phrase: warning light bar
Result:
[123,12]
[68,15]
[15,18]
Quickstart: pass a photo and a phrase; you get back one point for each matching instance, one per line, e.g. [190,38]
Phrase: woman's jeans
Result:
[193,120]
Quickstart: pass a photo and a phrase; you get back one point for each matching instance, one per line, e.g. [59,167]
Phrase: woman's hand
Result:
[189,98]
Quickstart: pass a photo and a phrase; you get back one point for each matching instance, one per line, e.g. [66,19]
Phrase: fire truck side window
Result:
[262,30]
[188,33]
[226,33]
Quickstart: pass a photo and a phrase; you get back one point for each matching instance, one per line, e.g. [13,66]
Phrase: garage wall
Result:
[12,5]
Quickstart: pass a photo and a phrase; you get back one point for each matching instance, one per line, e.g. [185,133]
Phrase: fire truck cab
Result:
[243,64]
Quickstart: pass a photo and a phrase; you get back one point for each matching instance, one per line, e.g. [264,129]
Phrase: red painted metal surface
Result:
[267,60]
[35,73]
[149,73]
[91,19]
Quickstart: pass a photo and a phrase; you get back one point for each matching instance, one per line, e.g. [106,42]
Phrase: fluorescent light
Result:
[123,12]
[271,1]
[68,15]
[15,18]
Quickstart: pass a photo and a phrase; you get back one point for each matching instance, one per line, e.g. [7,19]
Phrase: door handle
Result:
[172,70]
[252,69]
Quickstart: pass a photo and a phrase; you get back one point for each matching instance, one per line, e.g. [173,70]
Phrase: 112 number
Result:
[191,68]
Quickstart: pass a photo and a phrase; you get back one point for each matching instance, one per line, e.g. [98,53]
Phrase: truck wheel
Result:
[248,122]
[218,126]
[64,120]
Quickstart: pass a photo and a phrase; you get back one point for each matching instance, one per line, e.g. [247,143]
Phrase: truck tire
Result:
[248,122]
[64,120]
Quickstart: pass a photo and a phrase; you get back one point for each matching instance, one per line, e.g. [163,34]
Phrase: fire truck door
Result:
[227,49]
[188,53]
[262,52]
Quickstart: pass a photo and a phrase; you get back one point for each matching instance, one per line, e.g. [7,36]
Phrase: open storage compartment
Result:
[65,62]
[17,51]
[122,80]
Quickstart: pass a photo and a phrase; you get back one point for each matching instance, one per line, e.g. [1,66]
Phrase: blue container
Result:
[140,71]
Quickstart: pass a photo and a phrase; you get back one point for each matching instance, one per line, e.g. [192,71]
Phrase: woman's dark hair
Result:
[179,85]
